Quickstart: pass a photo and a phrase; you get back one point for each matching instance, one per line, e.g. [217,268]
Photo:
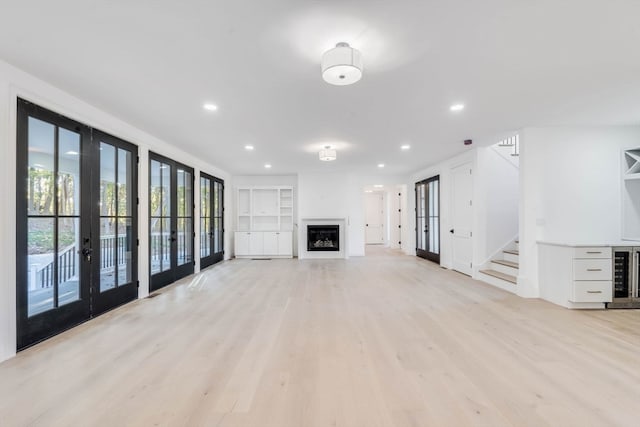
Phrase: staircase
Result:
[503,272]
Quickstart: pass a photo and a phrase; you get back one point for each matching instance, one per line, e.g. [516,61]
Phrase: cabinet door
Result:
[242,244]
[285,243]
[256,243]
[270,243]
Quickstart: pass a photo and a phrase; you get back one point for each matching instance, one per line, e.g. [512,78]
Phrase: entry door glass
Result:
[218,213]
[211,220]
[205,217]
[116,238]
[160,227]
[428,219]
[184,217]
[53,209]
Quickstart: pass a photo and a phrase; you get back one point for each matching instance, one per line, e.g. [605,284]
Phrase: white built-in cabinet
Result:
[264,222]
[576,276]
[631,194]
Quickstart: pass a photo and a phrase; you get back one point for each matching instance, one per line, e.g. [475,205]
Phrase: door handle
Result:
[451,231]
[86,253]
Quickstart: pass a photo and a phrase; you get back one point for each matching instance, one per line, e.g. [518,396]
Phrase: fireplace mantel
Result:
[342,222]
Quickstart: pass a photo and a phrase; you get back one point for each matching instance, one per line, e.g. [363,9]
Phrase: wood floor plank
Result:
[382,340]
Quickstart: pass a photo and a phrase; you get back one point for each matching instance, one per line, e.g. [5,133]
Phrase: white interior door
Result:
[461,215]
[374,218]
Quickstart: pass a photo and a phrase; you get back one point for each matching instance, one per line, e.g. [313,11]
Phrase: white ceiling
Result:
[513,63]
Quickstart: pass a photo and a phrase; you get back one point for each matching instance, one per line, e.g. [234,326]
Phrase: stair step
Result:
[512,252]
[507,263]
[503,276]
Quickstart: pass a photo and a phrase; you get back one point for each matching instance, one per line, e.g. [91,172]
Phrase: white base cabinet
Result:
[264,244]
[576,276]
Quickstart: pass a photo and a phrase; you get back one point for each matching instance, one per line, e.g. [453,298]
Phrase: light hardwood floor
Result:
[385,340]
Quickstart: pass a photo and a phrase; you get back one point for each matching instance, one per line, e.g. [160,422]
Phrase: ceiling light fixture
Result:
[248,147]
[380,165]
[456,107]
[210,107]
[378,185]
[267,166]
[368,191]
[328,154]
[342,65]
[405,147]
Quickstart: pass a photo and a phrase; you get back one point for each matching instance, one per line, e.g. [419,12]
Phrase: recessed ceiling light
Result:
[210,107]
[72,153]
[405,147]
[368,191]
[380,165]
[457,107]
[248,147]
[378,186]
[267,166]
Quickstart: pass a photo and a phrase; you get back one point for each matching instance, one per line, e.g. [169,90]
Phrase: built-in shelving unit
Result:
[264,222]
[631,194]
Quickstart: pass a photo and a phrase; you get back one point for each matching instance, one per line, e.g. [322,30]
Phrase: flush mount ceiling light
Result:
[405,147]
[267,166]
[456,107]
[210,107]
[380,165]
[328,154]
[248,147]
[342,65]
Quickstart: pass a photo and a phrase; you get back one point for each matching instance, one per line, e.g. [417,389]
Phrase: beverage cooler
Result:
[626,278]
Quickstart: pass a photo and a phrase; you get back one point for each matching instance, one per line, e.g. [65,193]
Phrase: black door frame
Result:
[426,253]
[31,330]
[176,272]
[213,257]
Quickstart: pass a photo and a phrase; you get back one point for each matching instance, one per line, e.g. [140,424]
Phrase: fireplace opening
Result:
[323,237]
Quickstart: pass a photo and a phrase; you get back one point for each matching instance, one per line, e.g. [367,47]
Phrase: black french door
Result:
[171,232]
[428,219]
[211,220]
[76,218]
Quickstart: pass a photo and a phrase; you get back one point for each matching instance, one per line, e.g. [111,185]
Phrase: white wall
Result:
[266,180]
[15,83]
[570,181]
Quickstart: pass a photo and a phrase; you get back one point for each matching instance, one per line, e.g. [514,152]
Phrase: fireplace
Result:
[323,237]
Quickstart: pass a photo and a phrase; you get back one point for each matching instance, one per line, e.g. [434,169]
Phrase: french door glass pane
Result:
[165,241]
[156,245]
[124,182]
[108,247]
[40,243]
[107,180]
[216,235]
[124,250]
[185,211]
[185,234]
[68,172]
[205,241]
[68,260]
[41,167]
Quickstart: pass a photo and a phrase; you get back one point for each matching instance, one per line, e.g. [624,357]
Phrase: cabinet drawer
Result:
[592,269]
[595,291]
[592,252]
